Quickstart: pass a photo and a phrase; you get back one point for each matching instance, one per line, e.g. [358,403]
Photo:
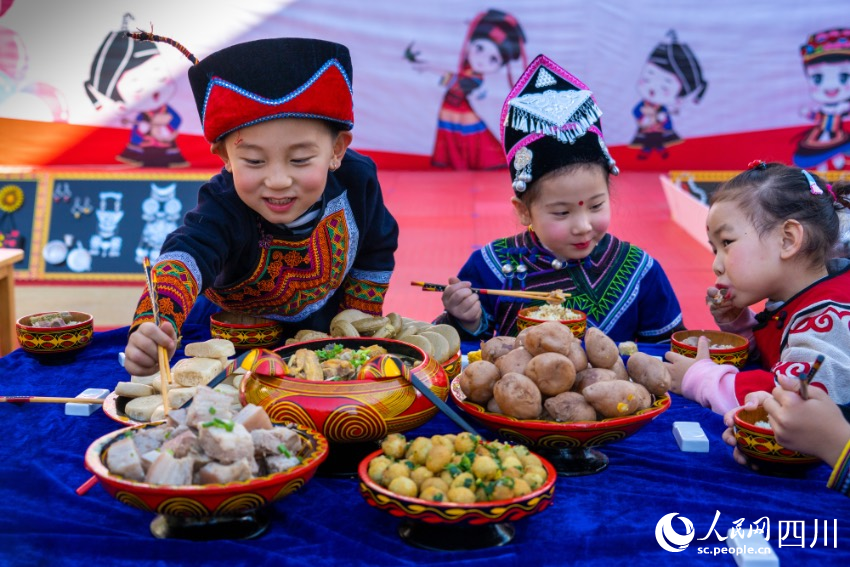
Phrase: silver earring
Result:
[522,165]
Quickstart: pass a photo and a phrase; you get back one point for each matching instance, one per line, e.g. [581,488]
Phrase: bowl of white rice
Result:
[574,319]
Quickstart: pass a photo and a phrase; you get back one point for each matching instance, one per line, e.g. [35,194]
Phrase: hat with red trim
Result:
[265,79]
[550,120]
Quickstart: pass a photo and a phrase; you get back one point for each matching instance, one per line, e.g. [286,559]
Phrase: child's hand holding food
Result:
[463,304]
[720,305]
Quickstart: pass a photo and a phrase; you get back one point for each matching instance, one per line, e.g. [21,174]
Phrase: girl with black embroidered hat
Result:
[560,168]
[779,234]
[671,74]
[294,227]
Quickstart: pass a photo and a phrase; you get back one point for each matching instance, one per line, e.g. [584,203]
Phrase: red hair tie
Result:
[756,164]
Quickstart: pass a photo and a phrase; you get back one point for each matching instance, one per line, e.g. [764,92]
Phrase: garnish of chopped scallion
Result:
[222,423]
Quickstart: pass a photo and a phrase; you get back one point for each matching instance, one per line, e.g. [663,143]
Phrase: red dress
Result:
[463,139]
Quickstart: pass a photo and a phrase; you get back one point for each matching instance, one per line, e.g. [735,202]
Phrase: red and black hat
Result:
[550,120]
[273,78]
[266,79]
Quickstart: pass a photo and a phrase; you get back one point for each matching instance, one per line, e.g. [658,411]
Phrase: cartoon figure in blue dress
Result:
[671,75]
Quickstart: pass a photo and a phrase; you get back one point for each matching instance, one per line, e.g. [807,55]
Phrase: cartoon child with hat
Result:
[826,62]
[294,227]
[560,169]
[670,75]
[130,76]
[463,141]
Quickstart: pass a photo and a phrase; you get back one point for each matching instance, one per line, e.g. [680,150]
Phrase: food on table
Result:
[141,396]
[459,468]
[549,376]
[550,312]
[627,348]
[209,443]
[650,372]
[547,337]
[496,347]
[694,341]
[335,362]
[57,319]
[518,396]
[602,352]
[441,342]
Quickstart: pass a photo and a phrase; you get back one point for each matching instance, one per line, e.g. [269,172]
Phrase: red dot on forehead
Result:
[580,203]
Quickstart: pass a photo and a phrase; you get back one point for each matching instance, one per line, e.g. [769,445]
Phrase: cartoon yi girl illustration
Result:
[826,62]
[493,40]
[670,75]
[131,75]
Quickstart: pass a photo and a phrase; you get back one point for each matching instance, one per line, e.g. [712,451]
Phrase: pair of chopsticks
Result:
[806,379]
[48,400]
[162,352]
[540,295]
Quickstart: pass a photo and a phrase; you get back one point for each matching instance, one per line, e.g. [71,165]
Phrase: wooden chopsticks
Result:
[539,295]
[162,352]
[48,400]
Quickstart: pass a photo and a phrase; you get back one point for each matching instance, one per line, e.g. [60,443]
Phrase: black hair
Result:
[503,30]
[678,59]
[772,193]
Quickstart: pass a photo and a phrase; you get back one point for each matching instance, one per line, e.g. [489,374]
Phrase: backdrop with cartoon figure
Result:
[683,85]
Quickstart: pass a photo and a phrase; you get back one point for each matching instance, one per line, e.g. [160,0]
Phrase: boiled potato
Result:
[477,381]
[616,398]
[496,347]
[619,369]
[590,376]
[650,372]
[518,396]
[513,361]
[549,336]
[602,352]
[552,372]
[570,406]
[577,356]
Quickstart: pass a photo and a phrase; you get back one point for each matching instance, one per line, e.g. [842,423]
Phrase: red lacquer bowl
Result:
[208,500]
[54,342]
[352,411]
[762,449]
[736,354]
[578,326]
[452,513]
[245,331]
[570,445]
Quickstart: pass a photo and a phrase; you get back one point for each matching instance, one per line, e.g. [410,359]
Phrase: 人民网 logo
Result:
[668,538]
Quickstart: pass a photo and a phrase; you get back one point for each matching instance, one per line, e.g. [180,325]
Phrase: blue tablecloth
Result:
[605,519]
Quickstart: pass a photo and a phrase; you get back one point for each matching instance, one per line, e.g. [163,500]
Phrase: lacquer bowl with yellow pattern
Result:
[205,508]
[47,343]
[245,331]
[451,525]
[578,326]
[755,439]
[571,446]
[735,347]
[352,411]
